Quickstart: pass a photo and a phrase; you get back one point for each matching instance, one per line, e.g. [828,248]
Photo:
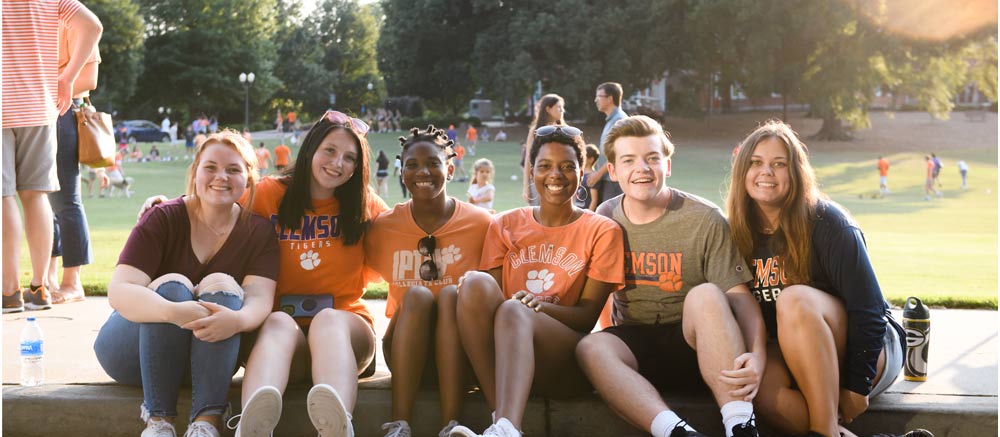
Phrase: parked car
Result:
[140,130]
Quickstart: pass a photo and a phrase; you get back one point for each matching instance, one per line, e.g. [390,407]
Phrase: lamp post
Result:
[247,80]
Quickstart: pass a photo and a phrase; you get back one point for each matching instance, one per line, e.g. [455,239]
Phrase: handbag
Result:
[95,136]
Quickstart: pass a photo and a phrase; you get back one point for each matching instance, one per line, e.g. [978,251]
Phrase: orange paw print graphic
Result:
[671,282]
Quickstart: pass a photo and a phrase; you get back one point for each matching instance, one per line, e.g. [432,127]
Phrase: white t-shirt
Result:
[476,191]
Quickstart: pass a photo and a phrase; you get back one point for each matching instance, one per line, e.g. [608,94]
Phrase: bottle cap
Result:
[31,319]
[915,309]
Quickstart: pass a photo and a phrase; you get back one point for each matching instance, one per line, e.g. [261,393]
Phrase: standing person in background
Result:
[165,125]
[35,93]
[452,133]
[883,176]
[472,137]
[585,196]
[963,169]
[549,111]
[279,122]
[460,161]
[481,192]
[608,99]
[937,170]
[188,142]
[398,119]
[397,170]
[281,157]
[71,236]
[382,174]
[263,158]
[929,183]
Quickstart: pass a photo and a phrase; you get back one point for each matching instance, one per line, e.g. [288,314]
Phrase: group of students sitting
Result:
[268,274]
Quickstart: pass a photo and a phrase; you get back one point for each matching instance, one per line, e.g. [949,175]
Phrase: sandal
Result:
[59,296]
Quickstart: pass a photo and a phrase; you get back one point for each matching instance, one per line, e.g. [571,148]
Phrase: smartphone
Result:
[305,305]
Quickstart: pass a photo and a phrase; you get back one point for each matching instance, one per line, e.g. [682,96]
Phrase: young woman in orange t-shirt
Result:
[321,211]
[422,247]
[548,270]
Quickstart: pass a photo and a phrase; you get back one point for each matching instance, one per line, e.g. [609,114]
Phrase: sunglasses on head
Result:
[557,130]
[339,118]
[428,269]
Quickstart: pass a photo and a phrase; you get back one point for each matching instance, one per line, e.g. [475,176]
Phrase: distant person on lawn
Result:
[883,176]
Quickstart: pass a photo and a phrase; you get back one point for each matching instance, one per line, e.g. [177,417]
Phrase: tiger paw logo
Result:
[309,260]
[539,281]
[671,282]
[451,254]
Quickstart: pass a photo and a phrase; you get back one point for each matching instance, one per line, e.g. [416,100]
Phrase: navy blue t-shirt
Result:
[839,266]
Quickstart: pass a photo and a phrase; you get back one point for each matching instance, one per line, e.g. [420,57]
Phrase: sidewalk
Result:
[959,398]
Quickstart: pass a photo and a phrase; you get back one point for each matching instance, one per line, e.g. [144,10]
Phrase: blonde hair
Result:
[487,164]
[638,126]
[793,236]
[234,140]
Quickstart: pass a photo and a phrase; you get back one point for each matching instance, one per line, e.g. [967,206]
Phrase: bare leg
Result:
[450,357]
[778,401]
[707,315]
[613,370]
[11,245]
[52,276]
[812,334]
[534,347]
[38,230]
[342,345]
[280,350]
[478,300]
[410,339]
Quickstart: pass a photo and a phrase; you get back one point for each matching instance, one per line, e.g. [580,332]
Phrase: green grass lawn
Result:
[943,250]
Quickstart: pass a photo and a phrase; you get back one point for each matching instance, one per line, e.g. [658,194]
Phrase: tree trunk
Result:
[832,130]
[727,98]
[784,107]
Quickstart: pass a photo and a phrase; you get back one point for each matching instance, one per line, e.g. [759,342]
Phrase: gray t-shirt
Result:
[687,246]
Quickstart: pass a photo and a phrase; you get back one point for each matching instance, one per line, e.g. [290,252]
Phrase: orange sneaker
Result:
[37,298]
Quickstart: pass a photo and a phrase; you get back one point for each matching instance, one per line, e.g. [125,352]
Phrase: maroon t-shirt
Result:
[161,243]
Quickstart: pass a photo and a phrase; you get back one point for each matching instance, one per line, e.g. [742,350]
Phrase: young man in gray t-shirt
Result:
[685,312]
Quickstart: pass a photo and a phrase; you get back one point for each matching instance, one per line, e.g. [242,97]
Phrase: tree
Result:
[348,37]
[196,49]
[300,68]
[121,50]
[426,50]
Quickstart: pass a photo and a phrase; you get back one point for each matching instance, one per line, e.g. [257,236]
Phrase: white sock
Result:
[735,413]
[664,423]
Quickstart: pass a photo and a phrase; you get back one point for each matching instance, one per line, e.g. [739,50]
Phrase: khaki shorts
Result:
[29,159]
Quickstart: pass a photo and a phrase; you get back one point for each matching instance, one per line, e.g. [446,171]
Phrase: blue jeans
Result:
[159,356]
[71,238]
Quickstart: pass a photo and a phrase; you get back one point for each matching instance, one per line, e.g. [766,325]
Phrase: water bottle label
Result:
[31,348]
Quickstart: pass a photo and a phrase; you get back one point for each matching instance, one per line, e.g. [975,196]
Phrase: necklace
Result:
[210,228]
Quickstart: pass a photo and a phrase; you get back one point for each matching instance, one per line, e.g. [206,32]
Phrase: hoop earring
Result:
[577,196]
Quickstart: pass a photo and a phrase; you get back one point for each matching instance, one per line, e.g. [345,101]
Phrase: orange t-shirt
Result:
[262,156]
[883,167]
[459,151]
[552,262]
[313,259]
[391,249]
[281,154]
[471,133]
[930,168]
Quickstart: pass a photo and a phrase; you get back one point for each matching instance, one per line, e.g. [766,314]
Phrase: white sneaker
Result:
[260,415]
[399,428]
[200,428]
[158,428]
[446,431]
[327,412]
[462,431]
[503,428]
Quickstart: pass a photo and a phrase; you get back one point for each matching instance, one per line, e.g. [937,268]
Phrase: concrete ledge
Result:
[113,410]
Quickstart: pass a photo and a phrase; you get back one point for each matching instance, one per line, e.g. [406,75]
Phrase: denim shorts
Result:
[893,360]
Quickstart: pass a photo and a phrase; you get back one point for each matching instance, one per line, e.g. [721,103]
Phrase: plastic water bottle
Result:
[917,324]
[32,341]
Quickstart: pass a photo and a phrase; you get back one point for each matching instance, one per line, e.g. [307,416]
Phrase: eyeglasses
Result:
[559,130]
[337,117]
[428,269]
